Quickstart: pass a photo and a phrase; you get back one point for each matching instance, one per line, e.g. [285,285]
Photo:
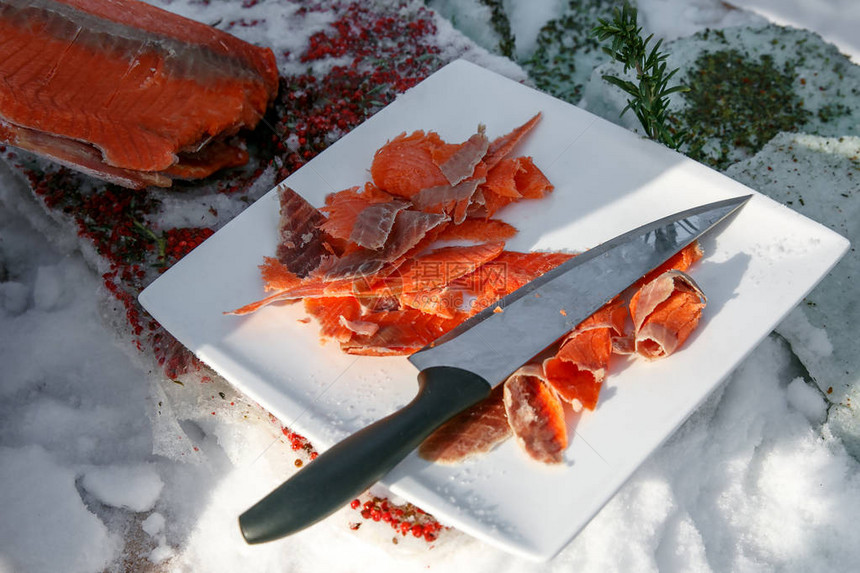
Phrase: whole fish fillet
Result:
[127,92]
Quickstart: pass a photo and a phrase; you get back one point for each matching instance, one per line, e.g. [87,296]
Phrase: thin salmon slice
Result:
[535,415]
[277,277]
[452,200]
[530,180]
[501,179]
[335,316]
[505,274]
[408,231]
[502,146]
[665,312]
[493,279]
[374,224]
[680,261]
[126,90]
[474,229]
[400,332]
[404,166]
[458,163]
[476,430]
[449,178]
[423,273]
[344,207]
[429,270]
[579,366]
[578,386]
[440,267]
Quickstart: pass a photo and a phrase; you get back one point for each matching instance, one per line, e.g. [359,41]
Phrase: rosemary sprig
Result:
[649,97]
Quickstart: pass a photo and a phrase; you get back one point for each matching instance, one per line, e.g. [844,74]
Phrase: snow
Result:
[135,487]
[834,19]
[806,400]
[103,462]
[43,510]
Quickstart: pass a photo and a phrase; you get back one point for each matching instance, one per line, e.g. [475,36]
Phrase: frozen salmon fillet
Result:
[128,92]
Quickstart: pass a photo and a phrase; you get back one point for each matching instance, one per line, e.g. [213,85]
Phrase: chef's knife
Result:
[460,368]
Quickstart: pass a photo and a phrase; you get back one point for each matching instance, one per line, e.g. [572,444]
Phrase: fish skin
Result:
[302,245]
[461,164]
[374,223]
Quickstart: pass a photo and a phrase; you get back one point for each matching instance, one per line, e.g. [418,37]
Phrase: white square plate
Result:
[607,181]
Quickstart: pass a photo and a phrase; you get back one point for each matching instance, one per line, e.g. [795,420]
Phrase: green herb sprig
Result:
[649,100]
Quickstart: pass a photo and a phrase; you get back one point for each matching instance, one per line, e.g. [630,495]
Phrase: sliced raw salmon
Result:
[404,166]
[458,163]
[344,207]
[442,266]
[400,332]
[535,414]
[449,178]
[501,179]
[430,282]
[335,316]
[474,229]
[384,279]
[665,312]
[302,244]
[407,231]
[452,200]
[476,430]
[277,277]
[530,180]
[424,272]
[126,90]
[505,274]
[374,223]
[680,261]
[505,144]
[409,283]
[579,366]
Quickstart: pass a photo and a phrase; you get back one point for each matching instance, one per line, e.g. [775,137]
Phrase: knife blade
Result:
[460,368]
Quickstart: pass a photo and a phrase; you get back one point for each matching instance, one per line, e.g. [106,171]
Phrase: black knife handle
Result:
[348,468]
